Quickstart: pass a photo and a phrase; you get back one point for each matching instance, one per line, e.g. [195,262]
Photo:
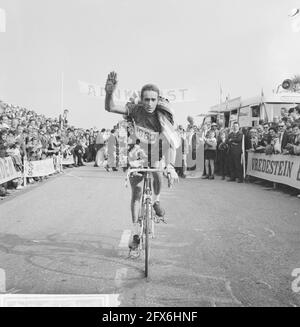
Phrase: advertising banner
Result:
[68,160]
[39,168]
[8,171]
[283,169]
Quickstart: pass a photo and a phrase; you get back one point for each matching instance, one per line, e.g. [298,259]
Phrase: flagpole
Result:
[62,94]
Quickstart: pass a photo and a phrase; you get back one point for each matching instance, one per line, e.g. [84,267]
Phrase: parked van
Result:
[248,112]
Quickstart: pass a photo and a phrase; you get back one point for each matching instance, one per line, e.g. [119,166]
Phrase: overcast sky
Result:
[244,45]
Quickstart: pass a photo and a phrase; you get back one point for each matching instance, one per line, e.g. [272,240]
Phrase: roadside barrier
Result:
[283,169]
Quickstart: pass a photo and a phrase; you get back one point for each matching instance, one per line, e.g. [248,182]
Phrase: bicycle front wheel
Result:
[147,238]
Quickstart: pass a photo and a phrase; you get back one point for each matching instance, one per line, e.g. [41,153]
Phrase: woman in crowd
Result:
[273,146]
[223,153]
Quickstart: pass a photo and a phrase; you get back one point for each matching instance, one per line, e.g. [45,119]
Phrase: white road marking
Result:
[120,276]
[228,287]
[13,290]
[2,281]
[125,238]
[270,230]
[60,300]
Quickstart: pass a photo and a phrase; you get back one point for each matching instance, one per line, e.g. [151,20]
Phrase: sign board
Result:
[39,168]
[283,169]
[8,171]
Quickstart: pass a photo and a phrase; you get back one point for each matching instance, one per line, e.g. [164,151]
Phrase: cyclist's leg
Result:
[157,181]
[136,183]
[157,185]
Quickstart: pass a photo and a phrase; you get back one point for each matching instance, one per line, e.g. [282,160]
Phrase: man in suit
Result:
[235,139]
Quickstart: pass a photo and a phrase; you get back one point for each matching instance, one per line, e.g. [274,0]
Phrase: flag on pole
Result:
[2,21]
[262,104]
[295,20]
[243,157]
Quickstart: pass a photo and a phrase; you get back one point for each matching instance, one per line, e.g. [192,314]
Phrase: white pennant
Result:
[295,20]
[2,21]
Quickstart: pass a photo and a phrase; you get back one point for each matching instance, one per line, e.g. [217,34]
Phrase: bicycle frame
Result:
[146,217]
[146,212]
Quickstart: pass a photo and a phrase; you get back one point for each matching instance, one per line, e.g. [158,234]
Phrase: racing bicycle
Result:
[147,217]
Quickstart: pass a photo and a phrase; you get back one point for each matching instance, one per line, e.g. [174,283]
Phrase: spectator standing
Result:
[181,153]
[235,139]
[79,150]
[274,146]
[111,151]
[294,146]
[101,149]
[281,133]
[287,138]
[191,124]
[210,150]
[223,154]
[265,135]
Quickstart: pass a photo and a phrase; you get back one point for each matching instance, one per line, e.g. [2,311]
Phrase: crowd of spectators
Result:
[223,146]
[24,134]
[280,136]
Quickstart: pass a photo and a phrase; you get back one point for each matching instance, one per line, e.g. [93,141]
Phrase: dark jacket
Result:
[235,141]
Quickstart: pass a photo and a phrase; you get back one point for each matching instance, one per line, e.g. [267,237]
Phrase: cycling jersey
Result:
[147,128]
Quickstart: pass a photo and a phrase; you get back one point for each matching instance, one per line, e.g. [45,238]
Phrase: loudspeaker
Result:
[287,84]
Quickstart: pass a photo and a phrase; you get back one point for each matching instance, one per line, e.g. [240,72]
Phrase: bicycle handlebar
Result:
[150,170]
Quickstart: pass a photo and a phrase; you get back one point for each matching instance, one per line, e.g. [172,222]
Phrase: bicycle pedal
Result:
[158,220]
[134,254]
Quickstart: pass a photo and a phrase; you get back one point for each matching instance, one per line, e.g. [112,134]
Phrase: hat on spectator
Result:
[214,124]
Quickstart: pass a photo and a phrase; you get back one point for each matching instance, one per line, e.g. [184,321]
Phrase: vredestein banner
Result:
[283,169]
[8,170]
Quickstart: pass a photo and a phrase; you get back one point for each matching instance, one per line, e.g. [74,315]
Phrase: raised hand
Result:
[111,83]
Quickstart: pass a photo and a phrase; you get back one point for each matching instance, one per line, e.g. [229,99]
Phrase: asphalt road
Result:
[225,244]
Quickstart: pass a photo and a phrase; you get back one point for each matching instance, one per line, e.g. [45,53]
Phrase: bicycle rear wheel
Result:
[147,239]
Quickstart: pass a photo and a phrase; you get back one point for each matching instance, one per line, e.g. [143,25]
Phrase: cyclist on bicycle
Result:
[153,127]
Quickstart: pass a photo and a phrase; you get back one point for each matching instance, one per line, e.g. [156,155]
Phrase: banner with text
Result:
[123,95]
[39,168]
[8,171]
[68,160]
[284,169]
